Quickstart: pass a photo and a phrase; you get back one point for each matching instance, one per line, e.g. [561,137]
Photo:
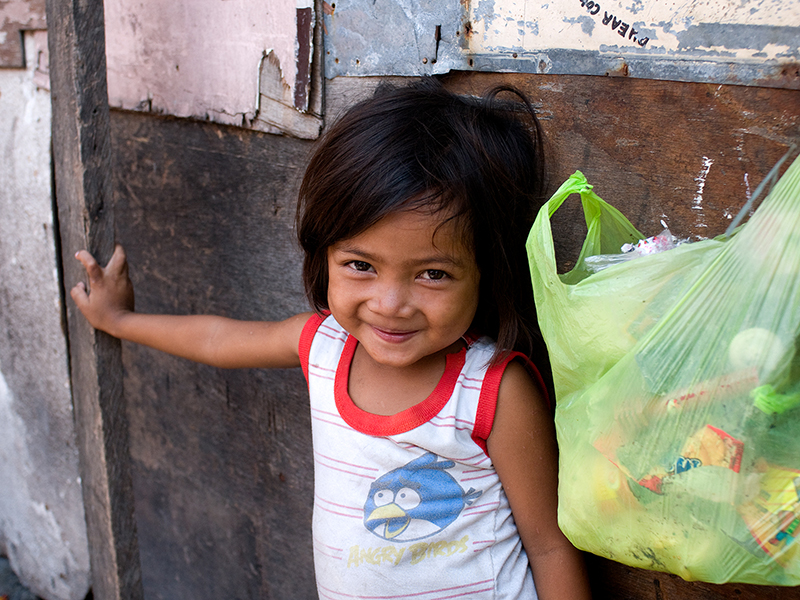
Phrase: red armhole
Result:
[487,402]
[306,337]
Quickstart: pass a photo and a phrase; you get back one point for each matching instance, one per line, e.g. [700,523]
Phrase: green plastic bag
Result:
[677,382]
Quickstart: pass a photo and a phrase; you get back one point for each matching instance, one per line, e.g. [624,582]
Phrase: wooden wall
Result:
[221,459]
[222,464]
[645,144]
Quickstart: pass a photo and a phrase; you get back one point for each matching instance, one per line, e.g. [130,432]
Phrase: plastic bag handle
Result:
[607,230]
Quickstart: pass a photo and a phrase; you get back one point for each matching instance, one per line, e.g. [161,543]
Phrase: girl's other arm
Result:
[523,449]
[109,306]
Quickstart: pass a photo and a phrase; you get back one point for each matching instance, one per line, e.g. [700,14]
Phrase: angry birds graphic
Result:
[415,501]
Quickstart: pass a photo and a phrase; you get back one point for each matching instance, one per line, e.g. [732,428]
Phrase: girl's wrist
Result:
[114,323]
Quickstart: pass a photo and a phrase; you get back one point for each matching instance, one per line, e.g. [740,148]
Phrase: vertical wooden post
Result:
[82,162]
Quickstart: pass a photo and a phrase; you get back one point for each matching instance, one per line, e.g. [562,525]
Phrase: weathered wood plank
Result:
[223,469]
[687,153]
[615,581]
[82,161]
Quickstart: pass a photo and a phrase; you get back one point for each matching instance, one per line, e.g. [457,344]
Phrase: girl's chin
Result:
[392,360]
[399,356]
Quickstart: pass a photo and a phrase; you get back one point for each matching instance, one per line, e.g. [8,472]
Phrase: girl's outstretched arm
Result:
[523,448]
[109,306]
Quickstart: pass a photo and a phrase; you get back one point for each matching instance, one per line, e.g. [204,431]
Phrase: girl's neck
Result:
[383,390]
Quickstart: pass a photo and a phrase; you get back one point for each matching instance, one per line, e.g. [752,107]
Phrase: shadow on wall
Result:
[10,587]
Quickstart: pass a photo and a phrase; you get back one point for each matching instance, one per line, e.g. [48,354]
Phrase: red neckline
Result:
[406,420]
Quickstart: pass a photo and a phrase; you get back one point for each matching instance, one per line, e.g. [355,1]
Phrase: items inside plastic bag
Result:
[658,243]
[678,394]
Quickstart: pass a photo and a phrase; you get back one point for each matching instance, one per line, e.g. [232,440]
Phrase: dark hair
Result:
[478,159]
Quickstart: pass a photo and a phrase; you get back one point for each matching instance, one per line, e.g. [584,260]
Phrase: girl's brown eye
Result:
[435,274]
[360,265]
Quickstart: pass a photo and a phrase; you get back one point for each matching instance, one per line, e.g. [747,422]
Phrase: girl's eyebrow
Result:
[341,247]
[439,258]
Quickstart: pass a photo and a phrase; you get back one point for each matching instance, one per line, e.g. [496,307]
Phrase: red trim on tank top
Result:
[487,401]
[406,420]
[306,338]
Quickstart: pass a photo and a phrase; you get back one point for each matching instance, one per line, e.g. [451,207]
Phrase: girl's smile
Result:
[406,288]
[393,336]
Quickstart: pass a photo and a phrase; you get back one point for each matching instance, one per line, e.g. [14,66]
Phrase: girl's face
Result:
[406,288]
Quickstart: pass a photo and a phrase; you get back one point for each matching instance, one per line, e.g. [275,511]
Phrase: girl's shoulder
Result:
[512,365]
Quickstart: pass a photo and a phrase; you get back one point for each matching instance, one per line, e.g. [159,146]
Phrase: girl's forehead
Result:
[415,230]
[442,227]
[416,219]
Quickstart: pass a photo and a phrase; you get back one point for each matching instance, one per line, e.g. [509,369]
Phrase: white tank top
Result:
[409,505]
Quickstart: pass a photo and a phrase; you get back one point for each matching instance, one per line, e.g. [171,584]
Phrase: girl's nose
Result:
[391,299]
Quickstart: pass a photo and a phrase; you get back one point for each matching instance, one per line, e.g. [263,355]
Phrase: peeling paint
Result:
[745,42]
[484,10]
[586,23]
[773,41]
[192,58]
[697,201]
[747,190]
[636,7]
[276,109]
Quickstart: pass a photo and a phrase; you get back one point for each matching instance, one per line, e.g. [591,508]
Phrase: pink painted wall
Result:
[196,58]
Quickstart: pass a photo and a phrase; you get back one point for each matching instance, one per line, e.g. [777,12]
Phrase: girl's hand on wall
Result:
[110,295]
[209,339]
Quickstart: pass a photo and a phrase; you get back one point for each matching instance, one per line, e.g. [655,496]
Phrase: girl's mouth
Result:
[393,336]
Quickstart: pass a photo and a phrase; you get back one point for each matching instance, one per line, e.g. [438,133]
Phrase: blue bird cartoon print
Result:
[416,500]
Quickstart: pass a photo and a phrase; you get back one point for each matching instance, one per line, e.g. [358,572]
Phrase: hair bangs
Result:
[476,161]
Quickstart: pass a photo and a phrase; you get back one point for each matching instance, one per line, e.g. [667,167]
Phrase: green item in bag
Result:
[677,383]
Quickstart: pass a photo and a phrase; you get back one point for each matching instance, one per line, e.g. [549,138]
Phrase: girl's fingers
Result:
[118,260]
[79,294]
[90,264]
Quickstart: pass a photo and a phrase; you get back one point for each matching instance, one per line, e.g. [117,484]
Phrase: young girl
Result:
[435,455]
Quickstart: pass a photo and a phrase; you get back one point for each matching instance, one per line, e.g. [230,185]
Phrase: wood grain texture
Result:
[614,581]
[645,146]
[222,459]
[82,164]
